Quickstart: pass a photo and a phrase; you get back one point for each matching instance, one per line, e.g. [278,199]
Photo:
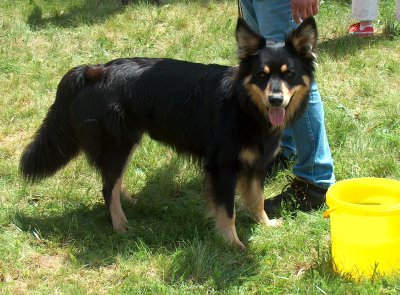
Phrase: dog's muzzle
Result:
[275,99]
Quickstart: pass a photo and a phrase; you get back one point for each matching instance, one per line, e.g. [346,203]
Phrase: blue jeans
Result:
[306,138]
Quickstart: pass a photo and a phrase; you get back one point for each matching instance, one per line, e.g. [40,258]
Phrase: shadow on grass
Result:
[348,45]
[86,12]
[166,219]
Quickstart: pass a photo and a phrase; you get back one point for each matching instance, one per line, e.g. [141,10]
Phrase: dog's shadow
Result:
[85,12]
[160,221]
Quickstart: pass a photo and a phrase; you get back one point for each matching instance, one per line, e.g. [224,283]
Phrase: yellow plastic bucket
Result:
[365,226]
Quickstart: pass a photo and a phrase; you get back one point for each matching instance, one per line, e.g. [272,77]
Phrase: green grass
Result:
[55,236]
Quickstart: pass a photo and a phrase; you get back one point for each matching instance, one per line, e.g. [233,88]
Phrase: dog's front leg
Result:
[220,198]
[251,189]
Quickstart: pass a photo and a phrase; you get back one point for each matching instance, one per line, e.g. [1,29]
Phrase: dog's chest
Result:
[259,153]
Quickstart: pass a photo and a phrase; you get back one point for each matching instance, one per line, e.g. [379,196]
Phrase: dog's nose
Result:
[275,100]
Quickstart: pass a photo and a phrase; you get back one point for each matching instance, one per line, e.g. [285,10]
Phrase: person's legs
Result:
[314,161]
[274,18]
[313,167]
[270,18]
[249,14]
[364,10]
[307,137]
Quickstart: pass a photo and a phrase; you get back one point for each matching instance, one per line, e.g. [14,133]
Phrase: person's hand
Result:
[301,9]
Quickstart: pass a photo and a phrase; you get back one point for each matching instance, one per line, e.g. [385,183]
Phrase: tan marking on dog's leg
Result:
[226,226]
[118,218]
[253,199]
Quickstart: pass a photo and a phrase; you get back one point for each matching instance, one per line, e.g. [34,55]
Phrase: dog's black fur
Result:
[221,115]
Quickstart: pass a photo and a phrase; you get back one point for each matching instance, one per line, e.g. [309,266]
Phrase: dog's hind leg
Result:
[112,172]
[111,194]
[219,189]
[111,163]
[251,189]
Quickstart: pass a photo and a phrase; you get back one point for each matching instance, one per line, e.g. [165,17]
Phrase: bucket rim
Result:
[334,203]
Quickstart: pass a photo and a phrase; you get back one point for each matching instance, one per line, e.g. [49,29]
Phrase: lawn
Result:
[55,236]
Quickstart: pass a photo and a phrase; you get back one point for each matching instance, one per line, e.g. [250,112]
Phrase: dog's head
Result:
[277,77]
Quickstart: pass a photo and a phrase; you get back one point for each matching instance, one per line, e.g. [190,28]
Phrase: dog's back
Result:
[174,101]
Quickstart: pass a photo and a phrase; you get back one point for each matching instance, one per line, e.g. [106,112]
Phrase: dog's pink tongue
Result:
[276,116]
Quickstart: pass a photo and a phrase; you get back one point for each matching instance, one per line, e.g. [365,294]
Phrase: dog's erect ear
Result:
[247,40]
[304,38]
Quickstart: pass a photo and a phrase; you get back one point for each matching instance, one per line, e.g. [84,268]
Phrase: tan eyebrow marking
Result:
[267,70]
[284,68]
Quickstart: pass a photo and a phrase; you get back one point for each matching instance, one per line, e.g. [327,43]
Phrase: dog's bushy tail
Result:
[55,142]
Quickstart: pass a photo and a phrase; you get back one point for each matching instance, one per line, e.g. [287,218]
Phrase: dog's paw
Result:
[275,222]
[120,223]
[234,242]
[239,245]
[121,228]
[264,220]
[230,236]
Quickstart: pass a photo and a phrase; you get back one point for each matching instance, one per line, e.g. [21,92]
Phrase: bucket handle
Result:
[328,212]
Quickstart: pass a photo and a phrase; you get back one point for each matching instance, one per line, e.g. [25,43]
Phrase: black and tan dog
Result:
[231,118]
